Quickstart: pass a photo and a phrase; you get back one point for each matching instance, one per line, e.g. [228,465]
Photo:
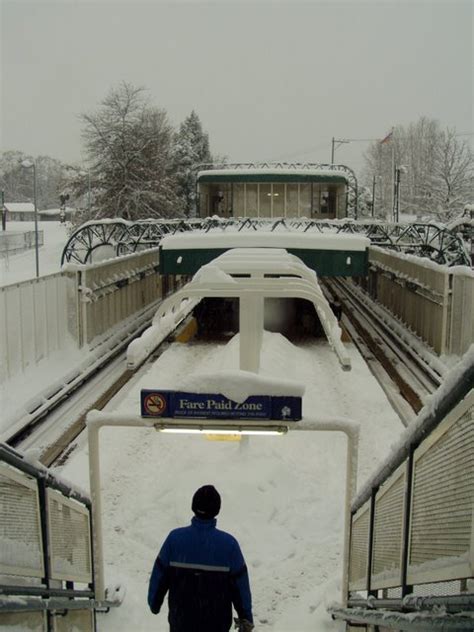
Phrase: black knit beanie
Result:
[206,502]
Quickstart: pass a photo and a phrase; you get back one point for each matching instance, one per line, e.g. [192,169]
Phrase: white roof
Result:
[264,239]
[20,207]
[272,171]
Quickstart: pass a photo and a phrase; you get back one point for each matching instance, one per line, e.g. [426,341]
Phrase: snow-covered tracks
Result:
[406,369]
[57,420]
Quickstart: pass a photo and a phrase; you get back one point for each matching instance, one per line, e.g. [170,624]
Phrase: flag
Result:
[387,138]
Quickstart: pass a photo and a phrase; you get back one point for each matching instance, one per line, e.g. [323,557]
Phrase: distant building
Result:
[55,214]
[20,211]
[25,212]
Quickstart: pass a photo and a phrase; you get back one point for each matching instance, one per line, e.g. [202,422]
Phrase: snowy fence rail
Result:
[37,318]
[112,291]
[434,301]
[14,242]
[414,524]
[46,548]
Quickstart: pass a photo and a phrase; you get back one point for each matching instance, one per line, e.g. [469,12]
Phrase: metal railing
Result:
[46,552]
[412,527]
[118,237]
[432,300]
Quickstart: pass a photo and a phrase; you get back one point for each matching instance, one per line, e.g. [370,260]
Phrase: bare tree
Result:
[439,167]
[129,148]
[452,176]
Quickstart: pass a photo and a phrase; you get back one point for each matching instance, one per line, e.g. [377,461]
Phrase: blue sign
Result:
[175,404]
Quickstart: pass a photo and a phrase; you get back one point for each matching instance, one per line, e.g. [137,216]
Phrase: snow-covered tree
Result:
[129,147]
[438,174]
[17,182]
[191,149]
[451,181]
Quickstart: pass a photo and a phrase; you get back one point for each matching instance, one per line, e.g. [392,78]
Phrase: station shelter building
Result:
[273,192]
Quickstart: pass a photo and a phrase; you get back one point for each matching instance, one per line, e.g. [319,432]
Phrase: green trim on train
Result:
[326,263]
[273,177]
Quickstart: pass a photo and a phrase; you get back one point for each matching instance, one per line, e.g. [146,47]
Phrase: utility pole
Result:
[3,210]
[373,196]
[339,141]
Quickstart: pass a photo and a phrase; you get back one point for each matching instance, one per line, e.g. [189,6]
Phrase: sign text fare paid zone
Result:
[176,404]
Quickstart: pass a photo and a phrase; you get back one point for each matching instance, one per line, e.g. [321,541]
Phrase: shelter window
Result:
[332,197]
[316,199]
[305,200]
[278,199]
[265,198]
[238,199]
[292,200]
[251,200]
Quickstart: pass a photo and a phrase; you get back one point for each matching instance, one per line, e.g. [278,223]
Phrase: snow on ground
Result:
[282,497]
[21,267]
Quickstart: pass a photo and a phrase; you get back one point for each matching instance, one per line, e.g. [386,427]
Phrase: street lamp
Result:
[396,198]
[30,164]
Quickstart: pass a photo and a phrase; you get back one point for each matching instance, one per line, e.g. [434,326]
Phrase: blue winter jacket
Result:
[204,571]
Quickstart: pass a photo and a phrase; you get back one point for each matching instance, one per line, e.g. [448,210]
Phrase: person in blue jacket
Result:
[203,570]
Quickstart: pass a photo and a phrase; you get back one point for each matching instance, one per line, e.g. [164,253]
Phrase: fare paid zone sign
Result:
[176,404]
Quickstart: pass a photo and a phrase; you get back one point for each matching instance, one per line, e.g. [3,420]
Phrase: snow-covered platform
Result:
[282,495]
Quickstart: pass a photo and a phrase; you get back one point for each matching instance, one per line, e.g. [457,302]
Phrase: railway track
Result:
[56,422]
[407,371]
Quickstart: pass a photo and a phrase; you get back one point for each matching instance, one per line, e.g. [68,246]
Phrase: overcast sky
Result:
[270,80]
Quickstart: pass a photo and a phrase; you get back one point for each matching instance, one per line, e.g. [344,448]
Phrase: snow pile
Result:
[240,385]
[211,273]
[168,316]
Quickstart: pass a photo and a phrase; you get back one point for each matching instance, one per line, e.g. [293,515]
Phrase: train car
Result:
[273,191]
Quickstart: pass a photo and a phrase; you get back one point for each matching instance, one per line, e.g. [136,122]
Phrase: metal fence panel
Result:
[35,321]
[69,539]
[462,313]
[388,531]
[75,620]
[359,552]
[442,529]
[112,291]
[21,549]
[415,292]
[23,621]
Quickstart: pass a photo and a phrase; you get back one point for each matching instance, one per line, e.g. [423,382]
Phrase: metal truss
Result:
[352,187]
[96,241]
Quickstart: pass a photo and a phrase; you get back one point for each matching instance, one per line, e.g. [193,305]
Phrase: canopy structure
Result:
[250,274]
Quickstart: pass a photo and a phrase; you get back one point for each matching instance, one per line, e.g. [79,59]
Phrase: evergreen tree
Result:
[191,149]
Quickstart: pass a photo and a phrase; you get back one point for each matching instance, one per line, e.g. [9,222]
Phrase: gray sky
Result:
[270,80]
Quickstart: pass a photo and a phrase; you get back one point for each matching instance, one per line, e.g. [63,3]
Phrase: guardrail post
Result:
[370,550]
[43,503]
[406,523]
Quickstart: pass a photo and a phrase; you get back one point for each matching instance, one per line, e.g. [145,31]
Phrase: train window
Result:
[278,197]
[265,199]
[292,200]
[305,200]
[251,198]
